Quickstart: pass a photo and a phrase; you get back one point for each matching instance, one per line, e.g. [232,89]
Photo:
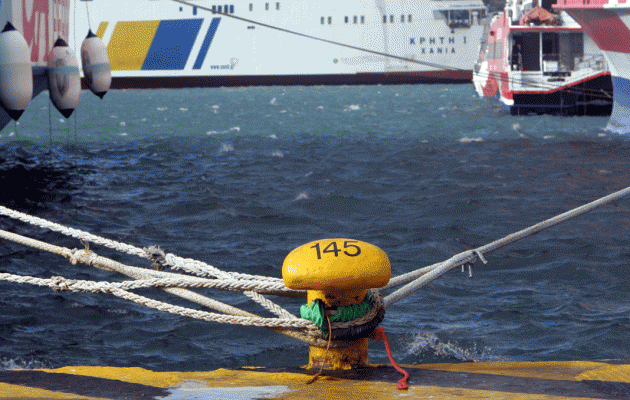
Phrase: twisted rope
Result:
[192,266]
[251,285]
[422,276]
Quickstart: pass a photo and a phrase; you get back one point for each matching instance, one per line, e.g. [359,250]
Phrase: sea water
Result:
[238,177]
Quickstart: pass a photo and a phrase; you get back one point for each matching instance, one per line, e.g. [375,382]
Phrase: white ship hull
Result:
[168,44]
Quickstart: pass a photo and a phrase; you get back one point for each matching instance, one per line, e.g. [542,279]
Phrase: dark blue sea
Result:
[239,177]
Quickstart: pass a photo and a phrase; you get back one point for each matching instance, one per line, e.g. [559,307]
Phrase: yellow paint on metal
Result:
[608,373]
[346,389]
[560,370]
[130,44]
[338,272]
[102,27]
[131,375]
[336,264]
[337,297]
[15,392]
[339,358]
[336,388]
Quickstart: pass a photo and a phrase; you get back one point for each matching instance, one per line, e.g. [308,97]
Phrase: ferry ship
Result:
[607,22]
[538,61]
[166,43]
[178,43]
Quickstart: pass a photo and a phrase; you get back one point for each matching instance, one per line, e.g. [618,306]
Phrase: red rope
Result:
[378,334]
[325,354]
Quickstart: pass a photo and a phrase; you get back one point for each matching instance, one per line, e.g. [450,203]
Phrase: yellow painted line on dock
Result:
[15,392]
[565,370]
[514,381]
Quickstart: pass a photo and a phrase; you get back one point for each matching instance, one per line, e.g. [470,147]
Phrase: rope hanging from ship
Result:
[356,322]
[502,79]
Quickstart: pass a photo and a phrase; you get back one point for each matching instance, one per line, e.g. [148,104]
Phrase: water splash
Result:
[301,196]
[429,345]
[19,363]
[226,148]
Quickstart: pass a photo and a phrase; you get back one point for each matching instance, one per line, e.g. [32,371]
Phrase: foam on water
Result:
[19,363]
[429,346]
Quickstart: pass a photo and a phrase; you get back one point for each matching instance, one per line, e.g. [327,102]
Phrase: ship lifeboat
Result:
[16,74]
[64,80]
[95,62]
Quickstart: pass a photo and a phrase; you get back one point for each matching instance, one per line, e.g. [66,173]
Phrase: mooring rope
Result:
[189,265]
[422,276]
[253,286]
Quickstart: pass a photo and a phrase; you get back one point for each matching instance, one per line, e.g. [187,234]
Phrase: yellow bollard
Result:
[338,272]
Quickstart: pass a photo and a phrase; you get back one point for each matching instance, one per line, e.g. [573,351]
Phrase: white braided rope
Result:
[202,269]
[417,278]
[162,279]
[269,305]
[193,266]
[118,289]
[422,276]
[250,285]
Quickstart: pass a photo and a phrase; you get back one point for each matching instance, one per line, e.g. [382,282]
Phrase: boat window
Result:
[232,9]
[323,20]
[384,18]
[214,9]
[345,19]
[459,19]
[530,50]
[363,19]
[266,6]
[355,19]
[391,18]
[455,18]
[194,10]
[277,6]
[402,18]
[251,6]
[409,18]
[329,20]
[219,9]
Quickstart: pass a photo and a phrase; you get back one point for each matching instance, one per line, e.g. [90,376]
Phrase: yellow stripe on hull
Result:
[514,381]
[130,44]
[102,27]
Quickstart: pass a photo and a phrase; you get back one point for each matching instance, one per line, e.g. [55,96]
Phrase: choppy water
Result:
[239,177]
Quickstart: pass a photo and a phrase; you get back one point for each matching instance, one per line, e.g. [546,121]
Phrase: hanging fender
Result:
[64,79]
[16,73]
[95,62]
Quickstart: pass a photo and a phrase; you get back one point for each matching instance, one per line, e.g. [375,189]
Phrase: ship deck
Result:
[513,380]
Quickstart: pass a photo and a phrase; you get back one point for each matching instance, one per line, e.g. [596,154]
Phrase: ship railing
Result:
[557,70]
[565,64]
[596,62]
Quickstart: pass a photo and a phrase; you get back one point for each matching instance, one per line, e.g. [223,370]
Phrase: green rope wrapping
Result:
[315,312]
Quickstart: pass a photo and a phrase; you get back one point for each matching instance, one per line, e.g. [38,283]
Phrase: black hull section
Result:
[591,97]
[398,78]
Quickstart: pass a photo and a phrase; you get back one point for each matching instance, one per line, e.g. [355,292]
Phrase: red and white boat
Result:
[536,60]
[607,22]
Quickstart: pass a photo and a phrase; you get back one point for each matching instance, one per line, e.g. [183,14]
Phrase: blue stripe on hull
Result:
[206,43]
[172,44]
[620,118]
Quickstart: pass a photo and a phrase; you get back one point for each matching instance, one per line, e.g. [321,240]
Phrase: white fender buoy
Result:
[16,73]
[64,79]
[95,61]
